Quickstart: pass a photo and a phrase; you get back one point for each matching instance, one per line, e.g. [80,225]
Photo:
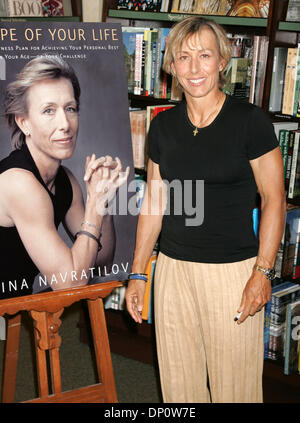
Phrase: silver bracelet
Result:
[92,225]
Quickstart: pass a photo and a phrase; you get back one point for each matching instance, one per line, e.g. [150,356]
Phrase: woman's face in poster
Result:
[52,119]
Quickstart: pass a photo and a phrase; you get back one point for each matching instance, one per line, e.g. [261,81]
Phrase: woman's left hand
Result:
[110,177]
[256,294]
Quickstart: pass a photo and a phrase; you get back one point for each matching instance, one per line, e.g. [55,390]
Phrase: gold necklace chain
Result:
[195,131]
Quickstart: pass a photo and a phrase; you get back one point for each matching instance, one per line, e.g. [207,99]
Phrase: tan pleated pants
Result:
[198,340]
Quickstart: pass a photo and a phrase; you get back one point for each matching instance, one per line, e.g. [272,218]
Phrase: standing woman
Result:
[206,274]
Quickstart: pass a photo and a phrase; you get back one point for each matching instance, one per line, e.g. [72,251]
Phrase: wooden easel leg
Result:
[46,326]
[11,357]
[55,371]
[102,349]
[40,328]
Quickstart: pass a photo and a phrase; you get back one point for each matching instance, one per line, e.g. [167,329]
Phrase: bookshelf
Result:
[175,17]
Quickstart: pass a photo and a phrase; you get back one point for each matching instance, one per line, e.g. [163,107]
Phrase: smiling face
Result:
[51,124]
[197,64]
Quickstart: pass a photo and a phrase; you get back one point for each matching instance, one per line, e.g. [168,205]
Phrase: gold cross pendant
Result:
[195,131]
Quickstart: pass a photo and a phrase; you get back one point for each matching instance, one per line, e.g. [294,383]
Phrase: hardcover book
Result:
[292,230]
[3,9]
[293,191]
[133,39]
[267,319]
[277,82]
[290,82]
[24,8]
[293,11]
[292,337]
[138,136]
[95,52]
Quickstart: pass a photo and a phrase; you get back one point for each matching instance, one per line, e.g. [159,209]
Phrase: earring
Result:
[27,133]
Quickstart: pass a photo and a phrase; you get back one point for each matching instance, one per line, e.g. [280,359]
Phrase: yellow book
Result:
[290,82]
[149,271]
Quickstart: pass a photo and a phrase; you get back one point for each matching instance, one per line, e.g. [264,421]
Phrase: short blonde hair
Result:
[188,27]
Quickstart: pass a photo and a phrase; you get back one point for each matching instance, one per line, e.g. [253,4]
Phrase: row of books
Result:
[289,142]
[245,74]
[285,83]
[282,326]
[204,7]
[211,7]
[144,50]
[34,8]
[223,7]
[139,122]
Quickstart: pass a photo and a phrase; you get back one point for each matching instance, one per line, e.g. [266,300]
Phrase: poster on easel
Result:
[69,118]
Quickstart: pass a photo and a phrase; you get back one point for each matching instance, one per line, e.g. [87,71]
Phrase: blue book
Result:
[255,218]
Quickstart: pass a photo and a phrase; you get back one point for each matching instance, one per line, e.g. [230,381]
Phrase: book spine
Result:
[296,259]
[147,70]
[92,10]
[143,65]
[157,64]
[267,328]
[263,66]
[57,8]
[287,341]
[153,59]
[277,82]
[138,64]
[3,9]
[289,159]
[284,145]
[297,84]
[290,82]
[256,41]
[46,7]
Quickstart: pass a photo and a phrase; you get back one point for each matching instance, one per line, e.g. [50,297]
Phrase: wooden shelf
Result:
[174,17]
[289,26]
[40,19]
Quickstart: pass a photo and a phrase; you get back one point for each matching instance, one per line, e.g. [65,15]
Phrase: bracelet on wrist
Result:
[139,276]
[92,225]
[86,233]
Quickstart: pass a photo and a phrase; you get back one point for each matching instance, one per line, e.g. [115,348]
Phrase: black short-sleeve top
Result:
[214,222]
[17,270]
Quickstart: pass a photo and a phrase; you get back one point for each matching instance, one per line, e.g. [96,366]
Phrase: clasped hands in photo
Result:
[103,177]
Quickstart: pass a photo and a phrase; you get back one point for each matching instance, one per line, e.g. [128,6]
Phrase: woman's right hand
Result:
[134,297]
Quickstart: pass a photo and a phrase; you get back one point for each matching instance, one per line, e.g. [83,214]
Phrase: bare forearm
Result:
[148,231]
[271,229]
[108,240]
[82,256]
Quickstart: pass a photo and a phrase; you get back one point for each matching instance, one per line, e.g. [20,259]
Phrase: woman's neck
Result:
[47,166]
[204,109]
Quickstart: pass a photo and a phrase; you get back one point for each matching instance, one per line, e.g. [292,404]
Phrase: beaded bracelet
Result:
[139,276]
[90,236]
